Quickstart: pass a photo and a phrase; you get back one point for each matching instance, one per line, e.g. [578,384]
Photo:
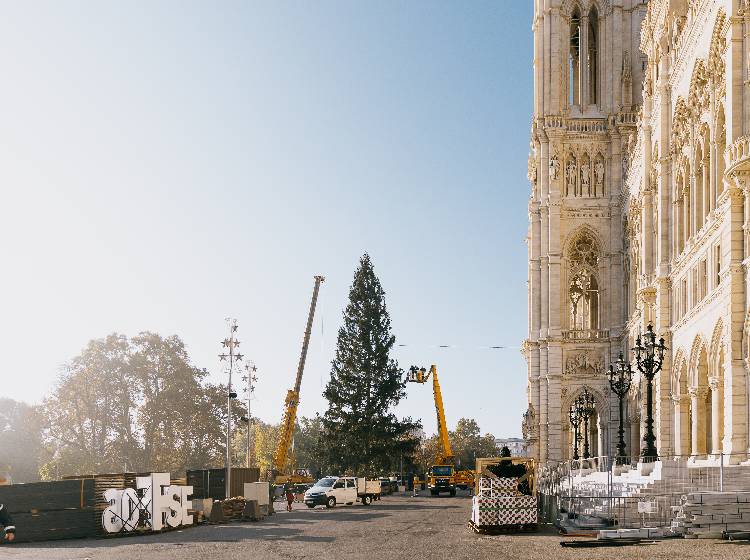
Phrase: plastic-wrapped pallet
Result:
[491,486]
[500,503]
[504,510]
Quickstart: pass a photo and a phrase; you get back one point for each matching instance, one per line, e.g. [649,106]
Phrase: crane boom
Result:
[443,476]
[445,442]
[421,375]
[292,396]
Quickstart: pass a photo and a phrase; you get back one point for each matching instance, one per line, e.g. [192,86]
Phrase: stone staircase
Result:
[649,494]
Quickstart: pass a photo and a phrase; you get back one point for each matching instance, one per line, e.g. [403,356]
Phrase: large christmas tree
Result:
[361,435]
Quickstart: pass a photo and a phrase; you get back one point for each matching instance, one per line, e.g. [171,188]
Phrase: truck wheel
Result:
[434,492]
[366,500]
[453,491]
[331,502]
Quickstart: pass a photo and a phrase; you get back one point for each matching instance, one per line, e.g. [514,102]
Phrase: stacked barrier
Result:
[499,504]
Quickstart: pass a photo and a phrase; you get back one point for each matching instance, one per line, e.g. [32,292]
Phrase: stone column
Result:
[647,213]
[677,402]
[635,436]
[733,285]
[698,431]
[686,210]
[647,248]
[706,203]
[713,383]
[543,403]
[584,65]
[693,202]
[544,238]
[554,396]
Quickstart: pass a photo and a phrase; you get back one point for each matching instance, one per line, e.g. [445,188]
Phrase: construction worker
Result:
[289,491]
[7,523]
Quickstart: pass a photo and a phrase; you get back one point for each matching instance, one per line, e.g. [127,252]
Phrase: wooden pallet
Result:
[503,529]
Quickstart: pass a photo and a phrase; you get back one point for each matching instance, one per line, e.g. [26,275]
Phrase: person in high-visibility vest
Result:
[7,523]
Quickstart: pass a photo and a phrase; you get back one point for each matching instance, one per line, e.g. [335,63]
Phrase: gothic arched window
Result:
[574,66]
[583,287]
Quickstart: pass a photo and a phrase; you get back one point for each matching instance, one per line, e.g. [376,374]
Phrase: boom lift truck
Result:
[442,476]
[283,472]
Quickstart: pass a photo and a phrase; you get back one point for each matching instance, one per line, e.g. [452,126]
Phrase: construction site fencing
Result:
[634,491]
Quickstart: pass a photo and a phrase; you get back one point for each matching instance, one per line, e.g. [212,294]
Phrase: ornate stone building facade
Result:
[639,214]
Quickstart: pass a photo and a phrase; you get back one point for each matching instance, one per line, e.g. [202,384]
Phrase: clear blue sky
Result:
[164,165]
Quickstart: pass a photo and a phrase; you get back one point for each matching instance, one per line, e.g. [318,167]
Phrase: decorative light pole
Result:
[575,421]
[586,409]
[249,378]
[230,343]
[620,376]
[649,356]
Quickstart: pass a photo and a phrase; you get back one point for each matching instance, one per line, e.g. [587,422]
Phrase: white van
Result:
[332,490]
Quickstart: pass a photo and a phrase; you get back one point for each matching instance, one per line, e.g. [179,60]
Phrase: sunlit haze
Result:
[165,165]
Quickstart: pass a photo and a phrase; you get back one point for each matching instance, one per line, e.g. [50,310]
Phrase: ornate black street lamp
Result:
[649,356]
[586,408]
[620,376]
[575,421]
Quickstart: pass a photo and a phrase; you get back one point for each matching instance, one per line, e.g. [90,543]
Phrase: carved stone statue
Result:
[585,179]
[554,168]
[599,172]
[571,176]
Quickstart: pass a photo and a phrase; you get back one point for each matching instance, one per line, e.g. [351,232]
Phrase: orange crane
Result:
[281,457]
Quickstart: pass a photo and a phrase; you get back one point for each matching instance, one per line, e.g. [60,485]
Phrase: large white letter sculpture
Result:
[164,504]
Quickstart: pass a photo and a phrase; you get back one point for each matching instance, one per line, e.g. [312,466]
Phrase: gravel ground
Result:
[397,527]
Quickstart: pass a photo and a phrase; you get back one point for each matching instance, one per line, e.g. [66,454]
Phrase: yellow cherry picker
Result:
[442,476]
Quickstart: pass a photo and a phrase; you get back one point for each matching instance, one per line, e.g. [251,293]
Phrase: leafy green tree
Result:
[307,444]
[361,434]
[425,454]
[468,443]
[20,441]
[88,418]
[133,405]
[181,419]
[266,439]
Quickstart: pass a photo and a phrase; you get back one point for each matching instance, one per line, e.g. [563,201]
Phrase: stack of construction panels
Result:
[52,510]
[102,483]
[710,514]
[499,503]
[494,487]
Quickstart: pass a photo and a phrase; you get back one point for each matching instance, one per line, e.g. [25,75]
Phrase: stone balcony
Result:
[585,334]
[737,156]
[575,124]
